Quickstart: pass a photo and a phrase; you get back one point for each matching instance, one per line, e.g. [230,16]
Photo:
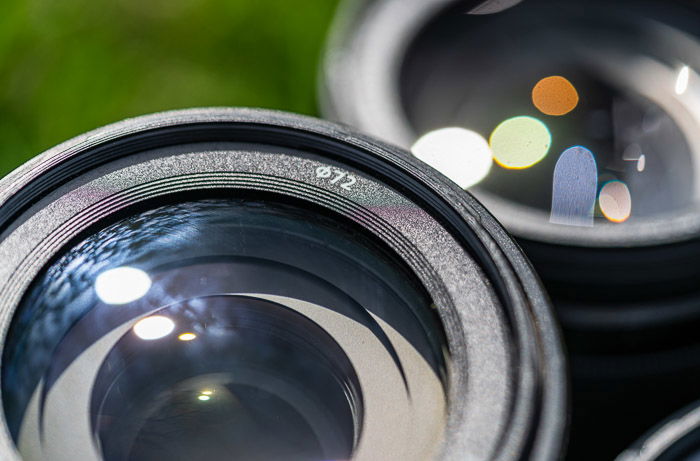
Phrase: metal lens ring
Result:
[675,439]
[264,263]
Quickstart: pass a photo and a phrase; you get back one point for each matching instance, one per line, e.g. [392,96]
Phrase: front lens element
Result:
[214,329]
[619,79]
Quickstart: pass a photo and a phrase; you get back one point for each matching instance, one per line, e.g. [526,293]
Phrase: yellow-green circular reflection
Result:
[520,142]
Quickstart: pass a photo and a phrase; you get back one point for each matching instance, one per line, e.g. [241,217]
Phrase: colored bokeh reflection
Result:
[462,155]
[615,201]
[555,95]
[574,188]
[520,142]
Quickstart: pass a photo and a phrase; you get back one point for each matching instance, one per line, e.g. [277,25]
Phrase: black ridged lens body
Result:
[239,284]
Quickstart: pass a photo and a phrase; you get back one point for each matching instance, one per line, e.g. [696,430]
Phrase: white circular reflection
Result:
[122,285]
[615,201]
[682,80]
[462,155]
[641,163]
[154,327]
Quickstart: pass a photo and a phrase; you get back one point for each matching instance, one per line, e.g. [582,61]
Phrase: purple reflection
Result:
[574,188]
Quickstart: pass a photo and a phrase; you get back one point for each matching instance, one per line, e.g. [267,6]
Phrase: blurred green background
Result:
[68,66]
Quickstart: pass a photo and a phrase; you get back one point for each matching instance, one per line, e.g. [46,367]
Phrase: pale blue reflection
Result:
[574,188]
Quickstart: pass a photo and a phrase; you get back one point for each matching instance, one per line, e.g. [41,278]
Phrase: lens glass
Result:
[212,329]
[589,108]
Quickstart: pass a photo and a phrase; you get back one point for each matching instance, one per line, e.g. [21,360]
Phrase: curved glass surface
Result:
[185,332]
[589,109]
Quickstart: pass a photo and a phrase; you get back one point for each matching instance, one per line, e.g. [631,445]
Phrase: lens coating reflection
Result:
[520,142]
[682,80]
[122,285]
[154,327]
[462,155]
[574,188]
[243,392]
[615,201]
[554,96]
[626,92]
[185,372]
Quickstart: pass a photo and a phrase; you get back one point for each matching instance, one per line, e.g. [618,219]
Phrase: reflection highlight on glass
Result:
[615,201]
[122,285]
[187,337]
[154,327]
[574,188]
[633,153]
[555,95]
[682,80]
[641,163]
[520,142]
[462,155]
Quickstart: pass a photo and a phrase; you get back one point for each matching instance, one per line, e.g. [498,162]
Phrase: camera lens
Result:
[576,123]
[589,109]
[675,439]
[239,284]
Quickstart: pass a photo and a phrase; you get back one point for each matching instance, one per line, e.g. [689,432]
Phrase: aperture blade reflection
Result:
[574,188]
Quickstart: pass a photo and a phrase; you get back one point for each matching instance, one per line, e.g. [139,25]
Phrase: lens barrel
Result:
[212,283]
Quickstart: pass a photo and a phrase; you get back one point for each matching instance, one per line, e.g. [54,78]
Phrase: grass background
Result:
[68,66]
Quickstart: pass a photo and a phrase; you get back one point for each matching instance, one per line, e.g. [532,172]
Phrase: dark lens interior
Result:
[157,331]
[632,67]
[258,382]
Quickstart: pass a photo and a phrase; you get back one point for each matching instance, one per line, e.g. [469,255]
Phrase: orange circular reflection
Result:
[555,95]
[615,201]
